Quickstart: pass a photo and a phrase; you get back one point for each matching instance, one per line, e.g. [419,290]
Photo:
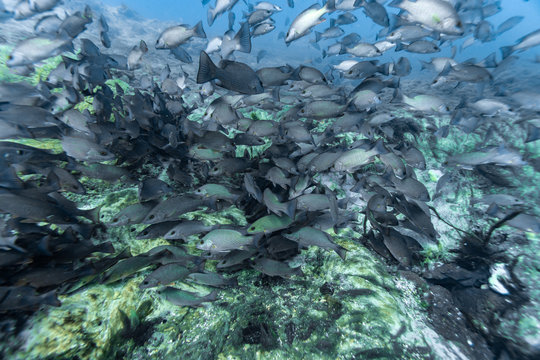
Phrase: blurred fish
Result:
[302,24]
[175,36]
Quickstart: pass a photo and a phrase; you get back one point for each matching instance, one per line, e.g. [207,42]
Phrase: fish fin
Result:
[507,51]
[399,46]
[198,30]
[398,96]
[207,69]
[317,36]
[244,38]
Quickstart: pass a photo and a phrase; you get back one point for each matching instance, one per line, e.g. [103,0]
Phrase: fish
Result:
[185,298]
[224,240]
[241,41]
[232,75]
[438,15]
[308,236]
[182,230]
[275,268]
[220,7]
[174,36]
[302,24]
[165,275]
[526,42]
[37,48]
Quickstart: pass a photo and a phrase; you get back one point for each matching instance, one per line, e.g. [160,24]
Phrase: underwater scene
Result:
[283,179]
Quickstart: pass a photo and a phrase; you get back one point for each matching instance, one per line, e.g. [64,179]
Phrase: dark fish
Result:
[232,75]
[185,298]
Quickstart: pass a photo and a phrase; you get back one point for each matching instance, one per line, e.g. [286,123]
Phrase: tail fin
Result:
[341,251]
[207,69]
[143,46]
[317,36]
[244,38]
[291,208]
[330,5]
[198,30]
[507,51]
[212,296]
[211,16]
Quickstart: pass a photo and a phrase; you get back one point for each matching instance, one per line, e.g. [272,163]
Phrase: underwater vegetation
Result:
[153,206]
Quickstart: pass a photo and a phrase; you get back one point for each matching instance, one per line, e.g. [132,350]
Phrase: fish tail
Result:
[212,296]
[207,69]
[143,46]
[398,96]
[507,51]
[330,5]
[291,208]
[341,251]
[106,247]
[198,30]
[50,298]
[211,16]
[317,36]
[244,38]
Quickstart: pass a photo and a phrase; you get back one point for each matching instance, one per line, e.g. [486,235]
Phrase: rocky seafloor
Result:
[362,307]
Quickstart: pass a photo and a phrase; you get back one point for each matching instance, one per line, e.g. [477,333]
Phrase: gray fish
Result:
[181,54]
[151,189]
[331,32]
[185,298]
[499,199]
[212,279]
[307,19]
[232,75]
[241,41]
[508,24]
[258,16]
[252,188]
[274,205]
[438,15]
[76,23]
[322,109]
[128,267]
[275,268]
[13,298]
[528,41]
[135,55]
[186,228]
[274,76]
[408,33]
[132,214]
[220,8]
[164,275]
[224,240]
[308,236]
[419,47]
[346,19]
[35,49]
[364,50]
[261,29]
[175,36]
[375,11]
[156,230]
[85,150]
[172,208]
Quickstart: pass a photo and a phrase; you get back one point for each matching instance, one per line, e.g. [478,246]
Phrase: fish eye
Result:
[115,220]
[19,152]
[252,228]
[350,72]
[201,242]
[173,232]
[132,229]
[145,232]
[198,190]
[302,111]
[103,153]
[151,217]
